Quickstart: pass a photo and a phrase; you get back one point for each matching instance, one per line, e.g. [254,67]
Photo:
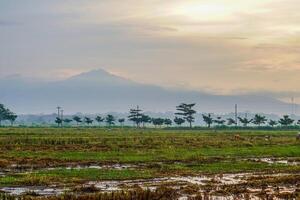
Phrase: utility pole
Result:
[235,114]
[62,117]
[293,106]
[137,116]
[58,111]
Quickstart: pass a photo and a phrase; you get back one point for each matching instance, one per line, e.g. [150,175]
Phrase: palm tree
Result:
[179,121]
[99,119]
[208,119]
[219,121]
[286,121]
[245,121]
[88,120]
[110,120]
[77,119]
[272,123]
[259,119]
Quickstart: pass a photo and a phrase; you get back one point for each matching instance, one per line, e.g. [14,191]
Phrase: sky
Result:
[217,46]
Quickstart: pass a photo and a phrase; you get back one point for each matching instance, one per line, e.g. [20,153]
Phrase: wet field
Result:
[130,164]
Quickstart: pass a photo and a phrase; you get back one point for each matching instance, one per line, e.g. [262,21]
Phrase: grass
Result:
[159,152]
[67,176]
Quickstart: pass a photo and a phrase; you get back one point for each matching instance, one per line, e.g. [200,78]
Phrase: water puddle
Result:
[211,186]
[115,166]
[23,169]
[218,181]
[179,181]
[43,191]
[276,161]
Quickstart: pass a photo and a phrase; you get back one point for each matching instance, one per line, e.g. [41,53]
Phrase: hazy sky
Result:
[221,46]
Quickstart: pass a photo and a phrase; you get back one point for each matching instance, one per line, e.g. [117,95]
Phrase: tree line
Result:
[185,113]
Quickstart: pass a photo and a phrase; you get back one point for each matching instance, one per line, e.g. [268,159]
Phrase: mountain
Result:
[98,91]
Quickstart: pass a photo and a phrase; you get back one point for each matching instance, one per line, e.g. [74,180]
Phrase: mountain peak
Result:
[95,73]
[99,76]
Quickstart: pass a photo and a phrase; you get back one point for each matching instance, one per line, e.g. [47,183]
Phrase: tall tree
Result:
[245,121]
[219,121]
[286,121]
[187,112]
[77,119]
[208,119]
[259,120]
[272,123]
[110,120]
[179,121]
[99,119]
[135,115]
[88,120]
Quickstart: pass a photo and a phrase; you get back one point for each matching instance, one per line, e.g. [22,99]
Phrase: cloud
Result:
[249,46]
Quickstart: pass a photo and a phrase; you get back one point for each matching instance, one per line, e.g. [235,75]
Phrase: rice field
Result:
[128,163]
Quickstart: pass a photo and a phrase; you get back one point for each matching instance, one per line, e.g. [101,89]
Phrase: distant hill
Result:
[98,91]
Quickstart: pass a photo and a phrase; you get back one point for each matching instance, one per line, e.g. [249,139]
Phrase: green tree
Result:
[58,121]
[121,121]
[286,121]
[4,113]
[168,122]
[67,121]
[208,119]
[110,120]
[158,121]
[145,119]
[99,119]
[88,120]
[135,115]
[219,121]
[11,117]
[272,123]
[245,121]
[259,120]
[179,121]
[77,119]
[231,121]
[187,112]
